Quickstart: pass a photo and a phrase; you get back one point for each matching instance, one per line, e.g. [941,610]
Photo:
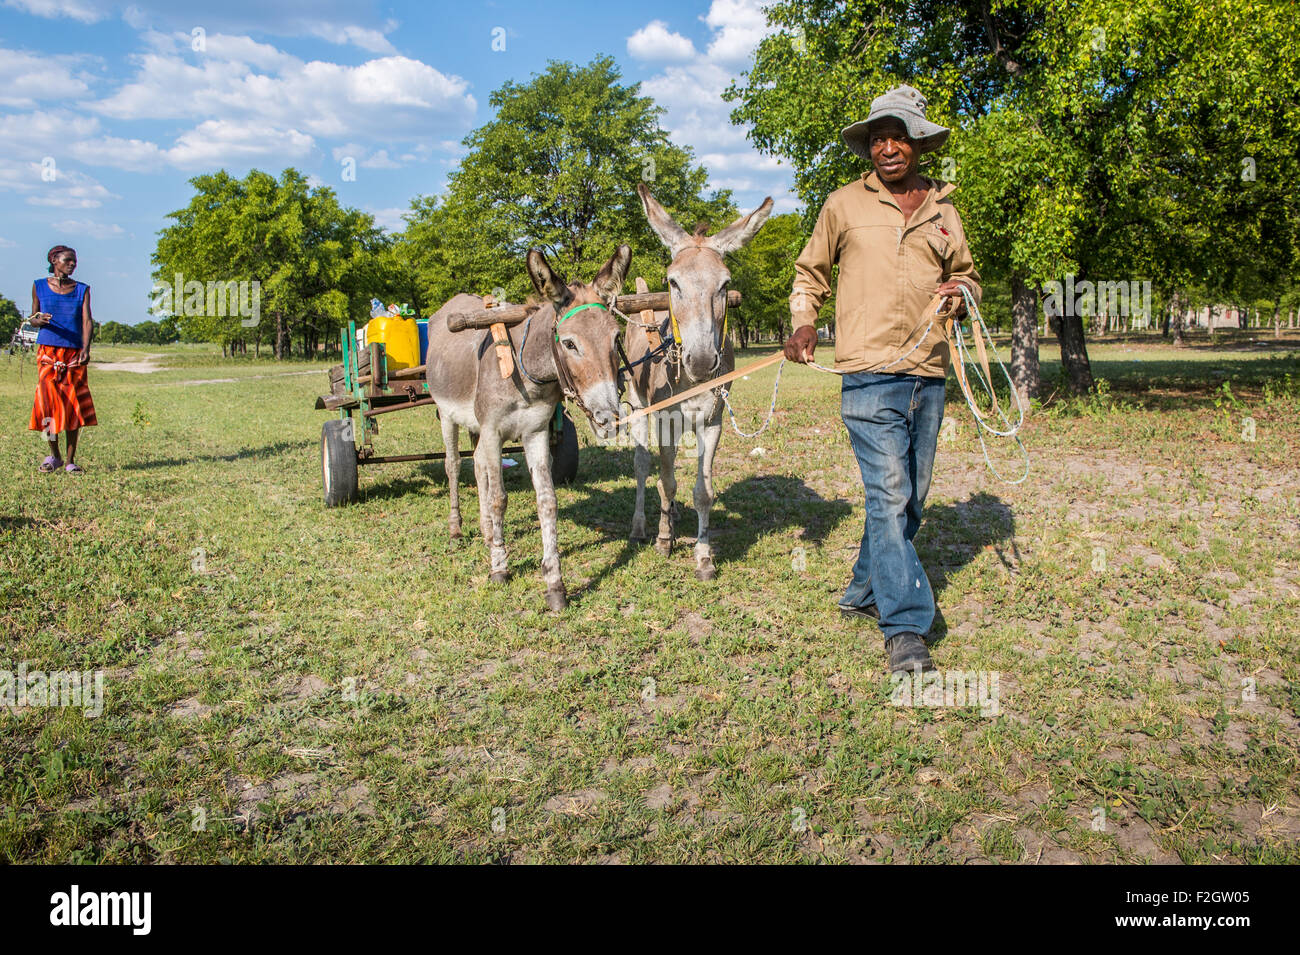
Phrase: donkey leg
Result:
[640,429]
[537,451]
[668,436]
[451,441]
[708,436]
[492,500]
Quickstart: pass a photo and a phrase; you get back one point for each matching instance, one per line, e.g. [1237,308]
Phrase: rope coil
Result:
[962,358]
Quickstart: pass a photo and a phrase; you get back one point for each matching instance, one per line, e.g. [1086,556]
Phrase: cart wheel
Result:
[564,453]
[338,458]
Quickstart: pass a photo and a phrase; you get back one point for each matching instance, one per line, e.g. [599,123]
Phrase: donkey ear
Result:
[610,280]
[669,232]
[549,284]
[738,234]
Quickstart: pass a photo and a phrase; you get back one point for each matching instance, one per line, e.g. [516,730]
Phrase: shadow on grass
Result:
[742,513]
[953,535]
[245,454]
[1173,382]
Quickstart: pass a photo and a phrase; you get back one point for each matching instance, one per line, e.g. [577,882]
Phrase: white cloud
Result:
[390,220]
[135,155]
[738,26]
[252,101]
[372,41]
[220,141]
[329,20]
[78,10]
[94,230]
[380,160]
[690,90]
[654,41]
[35,135]
[26,78]
[392,97]
[68,190]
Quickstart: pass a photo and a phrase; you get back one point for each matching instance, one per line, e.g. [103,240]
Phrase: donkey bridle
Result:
[562,373]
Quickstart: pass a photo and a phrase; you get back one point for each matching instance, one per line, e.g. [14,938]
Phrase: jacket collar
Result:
[938,187]
[936,190]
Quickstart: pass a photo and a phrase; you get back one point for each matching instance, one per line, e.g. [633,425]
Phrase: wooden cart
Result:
[362,385]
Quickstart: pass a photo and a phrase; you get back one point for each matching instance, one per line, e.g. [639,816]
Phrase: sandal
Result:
[50,464]
[74,468]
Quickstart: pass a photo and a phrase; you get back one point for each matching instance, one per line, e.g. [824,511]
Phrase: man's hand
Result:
[83,356]
[956,302]
[800,346]
[40,319]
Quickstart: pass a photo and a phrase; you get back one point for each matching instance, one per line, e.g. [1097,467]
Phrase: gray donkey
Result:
[697,290]
[580,361]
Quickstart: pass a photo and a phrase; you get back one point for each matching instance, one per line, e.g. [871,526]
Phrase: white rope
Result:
[771,409]
[963,356]
[882,368]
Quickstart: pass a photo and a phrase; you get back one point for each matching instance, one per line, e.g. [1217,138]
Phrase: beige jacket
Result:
[888,274]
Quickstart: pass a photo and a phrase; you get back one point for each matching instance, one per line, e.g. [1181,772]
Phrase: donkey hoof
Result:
[664,545]
[557,600]
[456,535]
[707,572]
[500,576]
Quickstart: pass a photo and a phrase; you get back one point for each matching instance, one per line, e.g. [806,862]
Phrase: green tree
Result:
[763,273]
[556,169]
[115,333]
[1103,138]
[10,319]
[315,262]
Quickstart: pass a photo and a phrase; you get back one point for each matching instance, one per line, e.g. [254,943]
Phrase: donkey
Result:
[562,350]
[697,300]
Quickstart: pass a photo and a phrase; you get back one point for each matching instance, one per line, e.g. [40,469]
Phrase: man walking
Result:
[898,241]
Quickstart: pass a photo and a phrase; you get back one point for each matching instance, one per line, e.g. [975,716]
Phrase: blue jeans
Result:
[893,423]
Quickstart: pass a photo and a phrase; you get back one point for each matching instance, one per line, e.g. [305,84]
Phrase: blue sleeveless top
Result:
[64,330]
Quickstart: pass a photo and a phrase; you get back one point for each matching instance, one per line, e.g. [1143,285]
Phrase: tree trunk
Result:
[1024,340]
[277,338]
[1074,354]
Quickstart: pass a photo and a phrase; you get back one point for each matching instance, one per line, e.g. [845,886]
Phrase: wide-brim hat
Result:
[904,103]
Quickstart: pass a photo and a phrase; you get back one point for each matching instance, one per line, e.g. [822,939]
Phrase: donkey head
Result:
[697,280]
[586,347]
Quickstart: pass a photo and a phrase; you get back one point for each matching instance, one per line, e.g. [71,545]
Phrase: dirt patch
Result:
[189,709]
[143,366]
[581,803]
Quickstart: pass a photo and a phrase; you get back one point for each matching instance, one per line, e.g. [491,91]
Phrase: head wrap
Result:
[55,252]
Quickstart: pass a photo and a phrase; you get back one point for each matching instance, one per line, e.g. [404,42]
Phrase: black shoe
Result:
[851,611]
[907,652]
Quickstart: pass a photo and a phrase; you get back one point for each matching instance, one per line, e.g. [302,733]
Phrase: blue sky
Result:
[106,109]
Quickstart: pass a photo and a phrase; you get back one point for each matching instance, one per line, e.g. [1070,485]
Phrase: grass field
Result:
[286,683]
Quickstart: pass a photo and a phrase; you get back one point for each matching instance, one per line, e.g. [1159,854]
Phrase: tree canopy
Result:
[315,263]
[1116,139]
[557,169]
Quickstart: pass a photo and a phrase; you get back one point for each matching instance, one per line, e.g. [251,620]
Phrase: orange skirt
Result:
[63,400]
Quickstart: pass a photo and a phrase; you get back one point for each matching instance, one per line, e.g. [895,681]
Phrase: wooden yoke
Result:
[648,316]
[501,338]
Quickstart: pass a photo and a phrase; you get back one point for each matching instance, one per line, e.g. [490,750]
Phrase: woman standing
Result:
[61,310]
